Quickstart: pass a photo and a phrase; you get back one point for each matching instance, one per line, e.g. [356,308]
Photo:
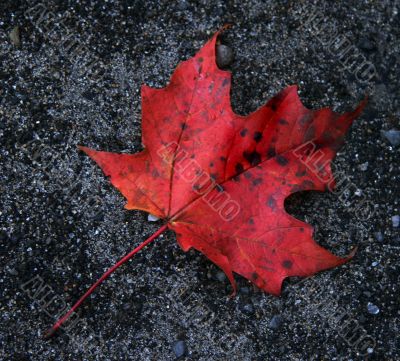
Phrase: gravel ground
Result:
[71,73]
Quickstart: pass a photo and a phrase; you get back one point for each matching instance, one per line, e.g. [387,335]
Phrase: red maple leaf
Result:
[219,179]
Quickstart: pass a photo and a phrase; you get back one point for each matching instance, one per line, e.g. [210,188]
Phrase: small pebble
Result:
[127,306]
[13,272]
[180,349]
[276,322]
[248,309]
[372,309]
[14,36]
[379,236]
[182,5]
[393,136]
[224,56]
[152,218]
[220,276]
[56,75]
[366,44]
[396,221]
[364,166]
[375,263]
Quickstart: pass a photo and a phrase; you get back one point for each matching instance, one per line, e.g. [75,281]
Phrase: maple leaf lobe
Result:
[252,159]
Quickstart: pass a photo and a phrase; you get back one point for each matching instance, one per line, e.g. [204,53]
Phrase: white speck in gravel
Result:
[358,192]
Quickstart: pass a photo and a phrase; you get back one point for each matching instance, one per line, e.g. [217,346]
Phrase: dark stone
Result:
[220,276]
[224,56]
[276,322]
[366,44]
[182,5]
[180,349]
[393,136]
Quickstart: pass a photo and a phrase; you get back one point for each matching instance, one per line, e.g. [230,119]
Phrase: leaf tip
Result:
[82,148]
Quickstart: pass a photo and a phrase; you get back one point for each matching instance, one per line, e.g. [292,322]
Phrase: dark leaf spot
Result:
[283,122]
[296,188]
[257,181]
[253,158]
[326,136]
[273,104]
[271,202]
[271,153]
[220,188]
[310,133]
[282,160]
[307,184]
[257,136]
[287,264]
[239,168]
[243,132]
[306,119]
[301,173]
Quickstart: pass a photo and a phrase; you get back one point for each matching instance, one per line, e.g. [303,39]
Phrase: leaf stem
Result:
[126,258]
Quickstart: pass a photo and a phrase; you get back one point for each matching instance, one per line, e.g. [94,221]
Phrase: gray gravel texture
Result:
[71,73]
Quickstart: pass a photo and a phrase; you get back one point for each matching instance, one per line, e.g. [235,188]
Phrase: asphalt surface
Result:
[71,74]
